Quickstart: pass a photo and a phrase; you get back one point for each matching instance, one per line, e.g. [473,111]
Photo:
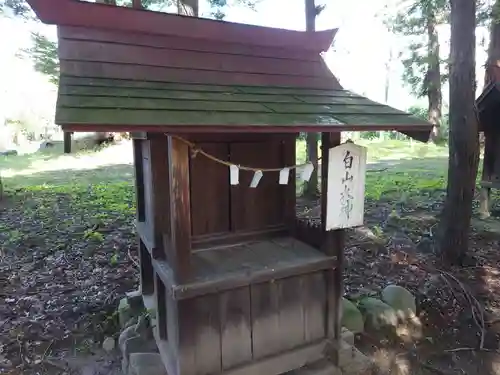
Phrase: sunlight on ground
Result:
[108,156]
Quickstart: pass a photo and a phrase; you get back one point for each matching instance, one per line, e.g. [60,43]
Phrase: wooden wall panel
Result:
[261,207]
[210,191]
[186,44]
[287,313]
[236,327]
[153,56]
[199,336]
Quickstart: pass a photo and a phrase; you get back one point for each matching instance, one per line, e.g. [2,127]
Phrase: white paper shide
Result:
[346,186]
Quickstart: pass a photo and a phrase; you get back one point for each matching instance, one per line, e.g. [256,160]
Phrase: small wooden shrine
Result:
[238,285]
[488,110]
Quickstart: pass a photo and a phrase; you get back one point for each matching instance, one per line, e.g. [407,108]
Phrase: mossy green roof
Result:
[126,102]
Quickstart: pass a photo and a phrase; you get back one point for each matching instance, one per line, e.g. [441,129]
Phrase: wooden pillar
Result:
[137,4]
[67,142]
[179,251]
[333,245]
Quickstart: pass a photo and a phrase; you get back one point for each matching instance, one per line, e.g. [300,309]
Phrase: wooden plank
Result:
[291,313]
[289,146]
[158,104]
[139,181]
[345,109]
[71,13]
[161,308]
[209,191]
[157,93]
[283,362]
[160,202]
[148,56]
[199,350]
[147,272]
[186,44]
[179,75]
[179,253]
[236,327]
[261,207]
[313,297]
[125,117]
[266,334]
[148,190]
[301,94]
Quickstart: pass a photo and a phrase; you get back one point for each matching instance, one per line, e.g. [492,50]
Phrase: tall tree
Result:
[423,66]
[311,187]
[463,139]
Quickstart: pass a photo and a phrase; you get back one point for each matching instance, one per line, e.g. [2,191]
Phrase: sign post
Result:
[346,186]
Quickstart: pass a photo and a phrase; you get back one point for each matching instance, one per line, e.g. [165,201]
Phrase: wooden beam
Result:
[333,245]
[179,248]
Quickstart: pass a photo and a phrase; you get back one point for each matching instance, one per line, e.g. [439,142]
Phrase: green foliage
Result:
[43,53]
[411,22]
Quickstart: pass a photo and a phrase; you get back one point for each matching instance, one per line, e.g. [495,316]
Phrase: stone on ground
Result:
[108,344]
[146,364]
[400,299]
[377,314]
[352,319]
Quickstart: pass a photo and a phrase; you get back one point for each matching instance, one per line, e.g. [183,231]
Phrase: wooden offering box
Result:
[235,283]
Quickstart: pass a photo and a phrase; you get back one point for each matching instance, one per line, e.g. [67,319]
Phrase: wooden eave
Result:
[103,16]
[124,69]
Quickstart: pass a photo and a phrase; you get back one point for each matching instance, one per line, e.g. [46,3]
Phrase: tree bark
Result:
[463,143]
[311,186]
[432,82]
[188,7]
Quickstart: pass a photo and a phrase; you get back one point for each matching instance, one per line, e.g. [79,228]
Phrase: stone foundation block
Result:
[146,364]
[352,361]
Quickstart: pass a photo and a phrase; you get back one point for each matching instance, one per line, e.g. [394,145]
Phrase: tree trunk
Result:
[463,143]
[311,187]
[432,82]
[188,7]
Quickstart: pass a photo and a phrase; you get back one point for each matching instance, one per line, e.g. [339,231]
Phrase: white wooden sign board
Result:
[345,199]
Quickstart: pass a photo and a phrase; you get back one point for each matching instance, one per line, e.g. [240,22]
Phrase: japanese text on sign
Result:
[346,186]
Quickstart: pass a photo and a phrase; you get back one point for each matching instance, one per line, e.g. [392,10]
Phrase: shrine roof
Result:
[144,106]
[124,69]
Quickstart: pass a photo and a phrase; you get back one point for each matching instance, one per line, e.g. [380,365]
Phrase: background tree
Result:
[463,137]
[311,187]
[43,52]
[424,70]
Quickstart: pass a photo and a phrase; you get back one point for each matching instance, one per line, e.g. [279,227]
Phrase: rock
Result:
[347,336]
[377,313]
[322,367]
[400,299]
[352,361]
[146,364]
[124,312]
[352,319]
[125,335]
[108,344]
